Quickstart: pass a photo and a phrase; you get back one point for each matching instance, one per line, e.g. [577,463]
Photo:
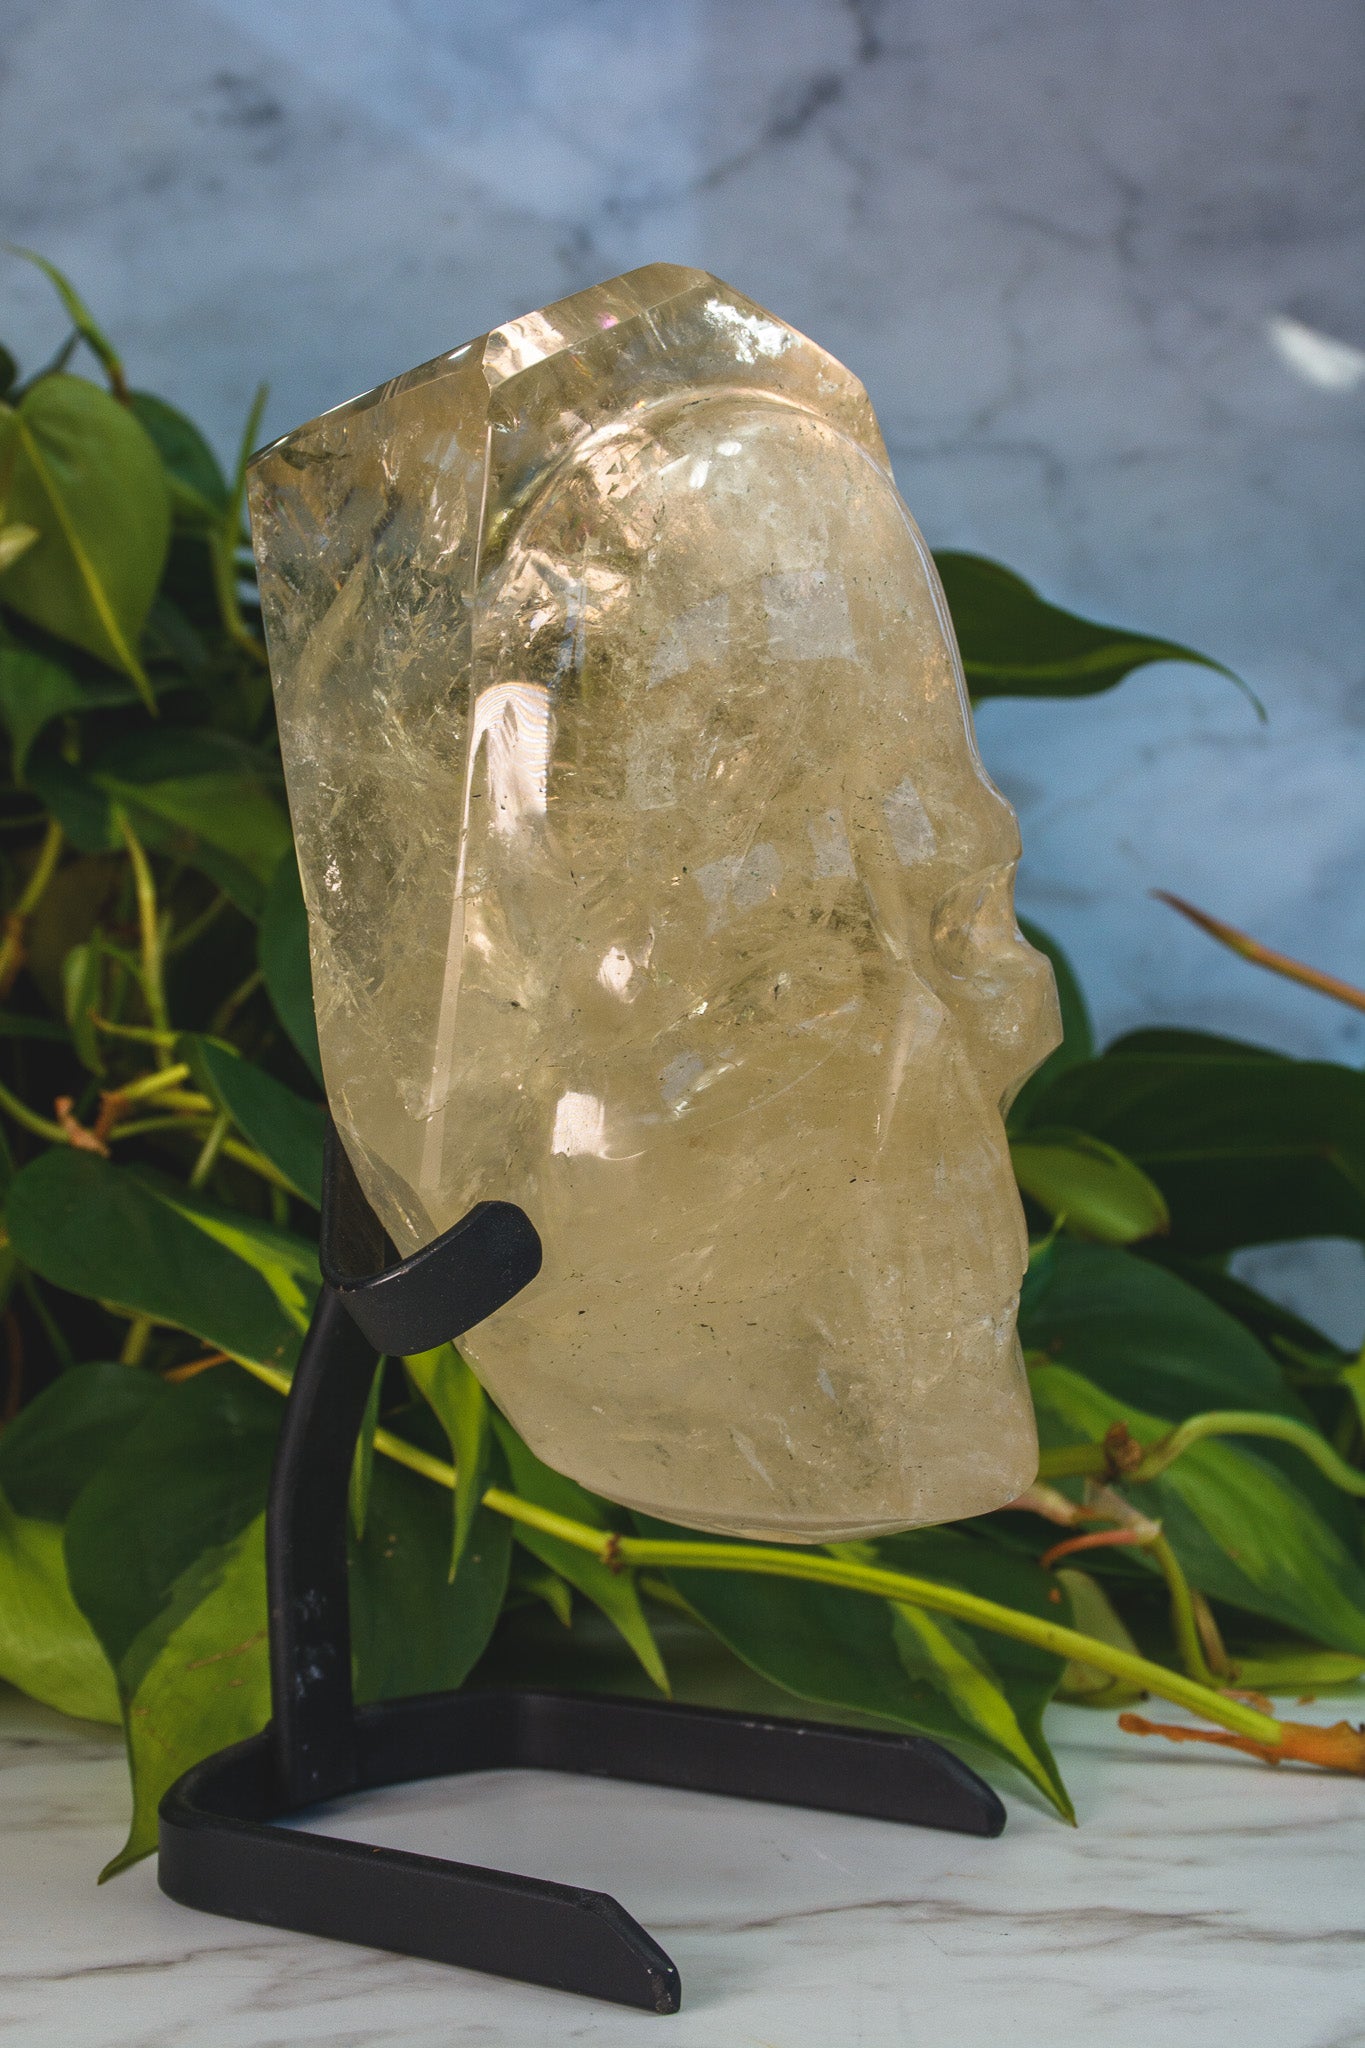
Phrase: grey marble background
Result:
[1098,261]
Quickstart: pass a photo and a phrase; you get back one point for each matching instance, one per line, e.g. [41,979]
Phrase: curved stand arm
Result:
[220,1850]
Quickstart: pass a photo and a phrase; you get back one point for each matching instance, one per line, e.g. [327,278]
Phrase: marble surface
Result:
[1203,1902]
[1100,266]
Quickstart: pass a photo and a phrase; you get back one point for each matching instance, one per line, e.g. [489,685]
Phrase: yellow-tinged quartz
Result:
[655,884]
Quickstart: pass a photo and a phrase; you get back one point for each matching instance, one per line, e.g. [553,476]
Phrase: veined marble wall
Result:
[1098,261]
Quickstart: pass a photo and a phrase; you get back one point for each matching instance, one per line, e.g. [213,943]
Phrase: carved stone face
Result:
[655,884]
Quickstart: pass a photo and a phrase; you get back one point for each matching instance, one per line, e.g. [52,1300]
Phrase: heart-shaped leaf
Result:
[47,1647]
[139,1241]
[56,1445]
[86,475]
[1248,1147]
[199,1678]
[185,1481]
[35,690]
[287,1130]
[199,490]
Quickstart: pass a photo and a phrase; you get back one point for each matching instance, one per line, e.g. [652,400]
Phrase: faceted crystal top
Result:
[655,884]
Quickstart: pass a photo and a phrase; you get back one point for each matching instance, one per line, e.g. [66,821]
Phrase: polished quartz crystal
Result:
[654,883]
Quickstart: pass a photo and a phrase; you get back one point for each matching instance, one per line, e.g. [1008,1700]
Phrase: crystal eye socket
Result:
[975,935]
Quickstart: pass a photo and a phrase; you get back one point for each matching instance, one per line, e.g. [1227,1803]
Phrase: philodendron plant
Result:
[1195,1533]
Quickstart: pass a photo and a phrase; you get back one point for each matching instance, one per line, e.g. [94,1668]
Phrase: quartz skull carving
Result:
[655,884]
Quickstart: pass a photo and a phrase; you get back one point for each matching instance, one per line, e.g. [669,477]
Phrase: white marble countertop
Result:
[1204,1902]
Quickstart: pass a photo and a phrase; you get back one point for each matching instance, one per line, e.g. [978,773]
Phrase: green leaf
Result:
[1015,644]
[47,1647]
[412,1630]
[1248,1147]
[856,1655]
[614,1592]
[87,476]
[1144,1335]
[183,1482]
[1295,1667]
[79,314]
[537,1582]
[1147,1338]
[1093,1613]
[284,962]
[203,797]
[201,1684]
[1243,1531]
[937,1650]
[66,790]
[1276,1327]
[362,1464]
[199,491]
[35,690]
[1098,1192]
[127,1236]
[1025,1678]
[198,796]
[15,541]
[80,993]
[1078,1038]
[56,1444]
[12,1026]
[460,1405]
[287,1130]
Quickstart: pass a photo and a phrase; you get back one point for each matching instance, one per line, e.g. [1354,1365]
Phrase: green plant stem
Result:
[208,1152]
[1188,1641]
[1237,1422]
[165,1084]
[1075,1461]
[1093,1461]
[34,889]
[197,926]
[231,1004]
[136,1341]
[144,1127]
[188,1101]
[195,1116]
[139,1034]
[149,927]
[41,1126]
[1067,1643]
[257,1163]
[621,1552]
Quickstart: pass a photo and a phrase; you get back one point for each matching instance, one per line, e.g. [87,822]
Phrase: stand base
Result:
[220,1853]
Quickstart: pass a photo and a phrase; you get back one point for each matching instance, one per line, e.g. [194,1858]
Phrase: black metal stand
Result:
[219,1849]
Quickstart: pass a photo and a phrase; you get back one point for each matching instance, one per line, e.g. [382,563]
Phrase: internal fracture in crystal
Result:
[654,883]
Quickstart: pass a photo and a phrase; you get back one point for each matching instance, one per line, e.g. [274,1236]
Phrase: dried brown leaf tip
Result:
[1338,1748]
